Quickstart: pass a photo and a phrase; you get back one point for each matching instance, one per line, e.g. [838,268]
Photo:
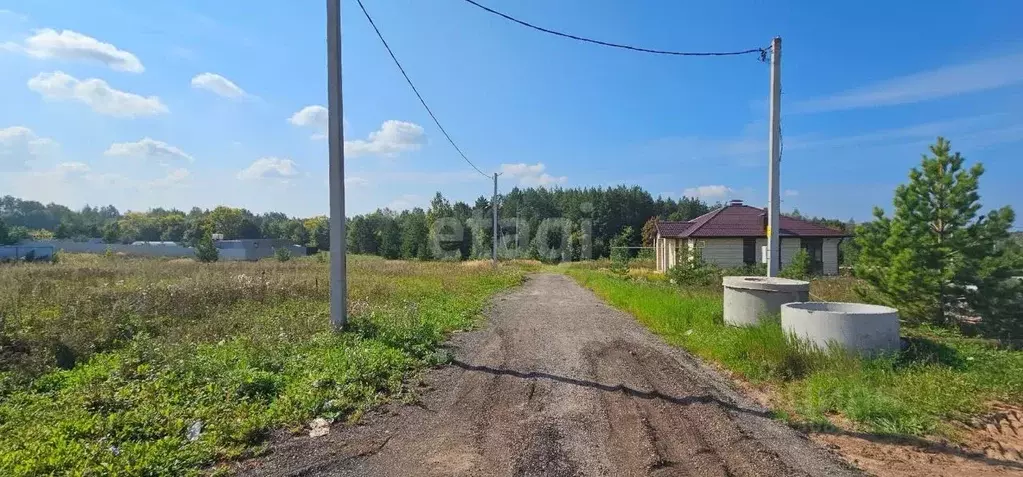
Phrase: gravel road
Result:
[560,384]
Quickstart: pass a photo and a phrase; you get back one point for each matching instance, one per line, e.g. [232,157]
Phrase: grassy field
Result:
[941,377]
[164,367]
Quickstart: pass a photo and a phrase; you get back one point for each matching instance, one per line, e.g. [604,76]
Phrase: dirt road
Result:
[560,384]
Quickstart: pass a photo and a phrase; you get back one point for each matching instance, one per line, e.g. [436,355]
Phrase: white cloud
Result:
[313,116]
[72,168]
[522,169]
[392,138]
[218,84]
[749,147]
[989,137]
[20,145]
[429,177]
[356,181]
[407,201]
[532,174]
[708,192]
[71,45]
[15,15]
[946,81]
[269,168]
[97,94]
[111,181]
[173,177]
[64,172]
[150,150]
[790,193]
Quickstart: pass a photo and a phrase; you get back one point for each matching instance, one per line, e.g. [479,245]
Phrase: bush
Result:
[620,251]
[691,270]
[800,268]
[756,269]
[205,250]
[1004,317]
[282,254]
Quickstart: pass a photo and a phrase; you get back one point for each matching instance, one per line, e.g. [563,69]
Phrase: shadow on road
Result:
[683,401]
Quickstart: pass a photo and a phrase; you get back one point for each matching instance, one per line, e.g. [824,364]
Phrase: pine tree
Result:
[205,250]
[935,253]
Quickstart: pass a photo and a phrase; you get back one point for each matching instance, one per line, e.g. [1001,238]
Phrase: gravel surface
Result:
[560,384]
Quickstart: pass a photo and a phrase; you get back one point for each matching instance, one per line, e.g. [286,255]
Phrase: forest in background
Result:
[591,215]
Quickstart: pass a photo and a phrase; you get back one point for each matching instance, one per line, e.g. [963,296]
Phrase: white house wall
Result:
[789,248]
[727,252]
[723,252]
[658,256]
[671,245]
[830,254]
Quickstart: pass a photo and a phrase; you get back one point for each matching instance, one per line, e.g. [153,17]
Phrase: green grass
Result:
[942,376]
[106,363]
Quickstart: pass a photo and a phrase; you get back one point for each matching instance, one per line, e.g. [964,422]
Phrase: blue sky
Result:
[174,104]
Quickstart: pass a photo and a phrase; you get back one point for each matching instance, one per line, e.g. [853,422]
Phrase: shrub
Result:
[691,270]
[800,268]
[620,251]
[282,254]
[205,250]
[756,269]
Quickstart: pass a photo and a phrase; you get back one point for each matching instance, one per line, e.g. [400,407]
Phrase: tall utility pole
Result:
[774,138]
[493,205]
[336,141]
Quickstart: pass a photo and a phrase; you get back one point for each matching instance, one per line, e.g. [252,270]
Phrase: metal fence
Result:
[26,253]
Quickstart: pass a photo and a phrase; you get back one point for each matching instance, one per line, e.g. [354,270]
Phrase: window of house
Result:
[749,251]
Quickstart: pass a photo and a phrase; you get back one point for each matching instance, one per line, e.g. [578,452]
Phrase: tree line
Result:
[27,219]
[453,229]
[541,223]
[589,222]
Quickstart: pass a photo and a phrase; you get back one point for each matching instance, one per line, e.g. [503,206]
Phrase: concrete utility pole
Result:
[774,139]
[336,141]
[493,240]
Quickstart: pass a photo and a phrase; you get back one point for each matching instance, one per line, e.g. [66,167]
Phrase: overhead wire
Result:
[416,91]
[761,51]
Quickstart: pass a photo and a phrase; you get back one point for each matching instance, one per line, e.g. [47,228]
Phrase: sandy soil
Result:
[560,384]
[990,446]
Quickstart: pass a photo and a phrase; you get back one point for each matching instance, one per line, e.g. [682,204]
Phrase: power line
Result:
[414,90]
[761,51]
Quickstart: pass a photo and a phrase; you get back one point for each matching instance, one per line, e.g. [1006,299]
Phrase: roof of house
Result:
[739,220]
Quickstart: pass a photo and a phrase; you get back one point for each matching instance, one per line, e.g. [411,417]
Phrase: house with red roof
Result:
[736,235]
